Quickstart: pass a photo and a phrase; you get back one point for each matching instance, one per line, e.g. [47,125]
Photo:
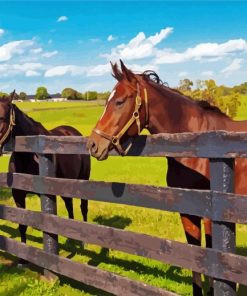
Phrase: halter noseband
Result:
[10,127]
[115,140]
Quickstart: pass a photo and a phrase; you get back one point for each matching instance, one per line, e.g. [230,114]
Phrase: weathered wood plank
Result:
[207,261]
[87,274]
[49,206]
[226,207]
[208,144]
[164,198]
[229,207]
[223,233]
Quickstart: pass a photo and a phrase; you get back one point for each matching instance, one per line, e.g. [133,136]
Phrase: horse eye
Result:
[119,103]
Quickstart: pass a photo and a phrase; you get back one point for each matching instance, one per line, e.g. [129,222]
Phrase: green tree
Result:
[90,95]
[23,96]
[103,96]
[200,84]
[41,93]
[71,94]
[185,84]
[242,88]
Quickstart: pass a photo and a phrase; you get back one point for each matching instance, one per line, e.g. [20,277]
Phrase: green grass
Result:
[15,281]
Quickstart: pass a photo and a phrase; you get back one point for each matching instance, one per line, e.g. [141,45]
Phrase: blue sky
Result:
[69,44]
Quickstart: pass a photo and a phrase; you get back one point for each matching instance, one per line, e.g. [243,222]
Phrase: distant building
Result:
[52,98]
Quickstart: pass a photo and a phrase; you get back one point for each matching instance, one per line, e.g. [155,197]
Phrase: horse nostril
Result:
[92,146]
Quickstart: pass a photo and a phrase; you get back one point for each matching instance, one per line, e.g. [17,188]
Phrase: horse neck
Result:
[26,126]
[172,112]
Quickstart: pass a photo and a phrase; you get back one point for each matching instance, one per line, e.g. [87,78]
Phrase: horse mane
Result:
[207,106]
[28,122]
[152,76]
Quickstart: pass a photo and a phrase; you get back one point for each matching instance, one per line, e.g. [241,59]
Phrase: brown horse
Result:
[141,101]
[13,122]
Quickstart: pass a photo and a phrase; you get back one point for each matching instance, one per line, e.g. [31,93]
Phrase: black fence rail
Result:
[219,204]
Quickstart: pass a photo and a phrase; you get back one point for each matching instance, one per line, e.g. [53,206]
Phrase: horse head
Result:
[124,116]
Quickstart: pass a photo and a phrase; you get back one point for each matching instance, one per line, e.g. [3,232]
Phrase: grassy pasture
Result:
[83,116]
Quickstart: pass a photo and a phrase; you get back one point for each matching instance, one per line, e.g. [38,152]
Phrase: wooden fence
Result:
[218,204]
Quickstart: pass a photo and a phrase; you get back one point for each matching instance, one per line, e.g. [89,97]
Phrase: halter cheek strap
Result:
[10,127]
[115,140]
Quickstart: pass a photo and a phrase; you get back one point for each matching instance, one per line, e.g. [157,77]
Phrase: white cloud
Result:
[207,73]
[1,32]
[91,71]
[31,73]
[183,74]
[8,50]
[74,70]
[7,70]
[98,70]
[158,37]
[49,54]
[62,18]
[203,50]
[36,50]
[139,47]
[63,70]
[234,66]
[111,38]
[50,41]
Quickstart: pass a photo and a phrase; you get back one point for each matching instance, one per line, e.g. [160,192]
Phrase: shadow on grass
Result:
[82,287]
[115,221]
[128,265]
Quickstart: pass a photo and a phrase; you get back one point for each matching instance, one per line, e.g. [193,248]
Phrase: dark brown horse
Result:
[13,122]
[141,100]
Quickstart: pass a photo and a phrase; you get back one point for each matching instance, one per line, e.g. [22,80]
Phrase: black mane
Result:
[154,77]
[207,106]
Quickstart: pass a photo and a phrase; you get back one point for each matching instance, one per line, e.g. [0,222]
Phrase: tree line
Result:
[67,93]
[227,99]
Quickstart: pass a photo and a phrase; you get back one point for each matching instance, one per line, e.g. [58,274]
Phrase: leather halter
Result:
[10,127]
[115,140]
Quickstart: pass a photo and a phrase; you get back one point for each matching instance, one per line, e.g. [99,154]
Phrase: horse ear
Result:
[12,96]
[116,73]
[128,74]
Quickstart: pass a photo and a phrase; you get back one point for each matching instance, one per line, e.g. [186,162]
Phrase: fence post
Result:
[223,234]
[48,206]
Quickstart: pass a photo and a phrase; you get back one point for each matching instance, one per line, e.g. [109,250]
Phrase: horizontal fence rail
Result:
[87,274]
[208,261]
[211,204]
[216,144]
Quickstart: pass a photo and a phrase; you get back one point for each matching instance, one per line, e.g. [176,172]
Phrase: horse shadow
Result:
[116,221]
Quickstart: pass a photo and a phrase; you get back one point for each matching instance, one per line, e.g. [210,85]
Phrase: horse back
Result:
[64,130]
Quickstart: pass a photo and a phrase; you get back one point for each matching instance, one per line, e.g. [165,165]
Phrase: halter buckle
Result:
[136,114]
[115,140]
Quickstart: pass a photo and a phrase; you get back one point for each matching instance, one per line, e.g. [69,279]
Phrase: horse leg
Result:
[69,206]
[208,237]
[20,201]
[84,209]
[192,228]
